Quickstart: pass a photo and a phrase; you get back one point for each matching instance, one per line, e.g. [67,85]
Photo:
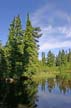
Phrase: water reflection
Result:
[53,93]
[21,94]
[63,84]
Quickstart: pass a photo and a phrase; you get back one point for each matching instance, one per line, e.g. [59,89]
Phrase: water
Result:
[54,94]
[51,93]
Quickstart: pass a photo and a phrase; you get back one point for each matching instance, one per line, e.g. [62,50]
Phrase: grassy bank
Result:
[52,72]
[43,76]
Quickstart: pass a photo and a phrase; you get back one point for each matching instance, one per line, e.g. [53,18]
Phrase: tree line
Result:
[20,54]
[62,59]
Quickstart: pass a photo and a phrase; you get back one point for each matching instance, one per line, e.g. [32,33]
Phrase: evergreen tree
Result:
[30,58]
[63,58]
[69,56]
[19,45]
[58,59]
[50,59]
[3,63]
[15,47]
[43,58]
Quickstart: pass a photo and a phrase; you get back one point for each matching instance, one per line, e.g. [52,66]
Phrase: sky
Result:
[52,16]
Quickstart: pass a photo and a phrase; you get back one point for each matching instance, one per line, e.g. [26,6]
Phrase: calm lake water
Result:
[52,93]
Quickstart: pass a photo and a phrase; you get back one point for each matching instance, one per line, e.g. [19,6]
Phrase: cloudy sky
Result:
[53,17]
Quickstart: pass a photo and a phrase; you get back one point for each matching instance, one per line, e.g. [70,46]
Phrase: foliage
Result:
[21,49]
[69,56]
[50,59]
[3,63]
[43,58]
[15,47]
[58,59]
[30,57]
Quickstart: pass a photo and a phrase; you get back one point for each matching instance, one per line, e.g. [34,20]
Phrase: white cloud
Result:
[49,13]
[66,31]
[53,45]
[54,34]
[39,14]
[49,41]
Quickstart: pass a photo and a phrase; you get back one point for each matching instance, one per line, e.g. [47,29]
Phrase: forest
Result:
[19,56]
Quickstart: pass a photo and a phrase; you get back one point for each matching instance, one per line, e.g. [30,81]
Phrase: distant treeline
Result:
[62,59]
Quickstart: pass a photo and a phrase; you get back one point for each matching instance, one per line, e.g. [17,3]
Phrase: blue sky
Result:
[53,17]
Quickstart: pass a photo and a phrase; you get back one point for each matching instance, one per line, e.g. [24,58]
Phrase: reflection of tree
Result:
[51,84]
[69,84]
[64,84]
[43,85]
[19,95]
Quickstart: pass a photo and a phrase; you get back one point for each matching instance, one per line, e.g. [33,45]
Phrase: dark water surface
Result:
[52,93]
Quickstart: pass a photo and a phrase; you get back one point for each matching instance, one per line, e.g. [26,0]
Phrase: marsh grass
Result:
[43,76]
[52,72]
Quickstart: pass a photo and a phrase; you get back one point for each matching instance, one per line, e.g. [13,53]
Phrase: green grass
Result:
[51,72]
[43,76]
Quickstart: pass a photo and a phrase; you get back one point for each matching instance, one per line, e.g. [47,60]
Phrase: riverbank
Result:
[52,72]
[43,76]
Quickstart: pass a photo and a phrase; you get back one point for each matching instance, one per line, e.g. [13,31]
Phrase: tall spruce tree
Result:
[58,59]
[30,58]
[63,58]
[50,59]
[15,47]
